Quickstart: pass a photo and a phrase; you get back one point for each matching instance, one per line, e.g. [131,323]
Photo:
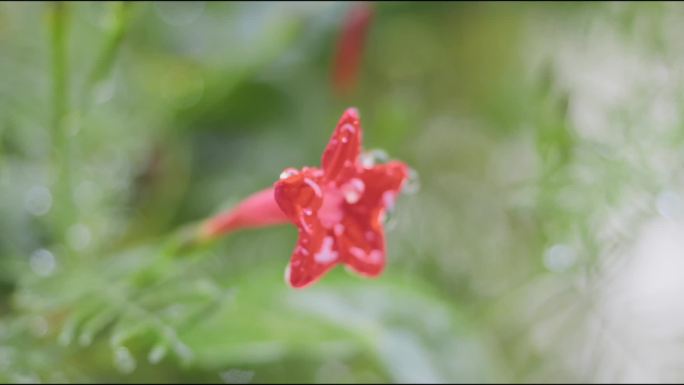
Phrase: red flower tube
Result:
[258,210]
[337,208]
[349,48]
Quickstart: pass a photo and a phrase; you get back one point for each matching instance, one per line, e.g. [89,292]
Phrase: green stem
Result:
[64,208]
[60,104]
[106,58]
[59,75]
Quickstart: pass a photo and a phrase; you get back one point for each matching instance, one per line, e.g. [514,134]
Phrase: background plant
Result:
[544,242]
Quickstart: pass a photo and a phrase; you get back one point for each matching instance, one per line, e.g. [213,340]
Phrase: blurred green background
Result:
[544,242]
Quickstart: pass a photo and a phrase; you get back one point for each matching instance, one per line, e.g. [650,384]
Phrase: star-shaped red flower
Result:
[339,208]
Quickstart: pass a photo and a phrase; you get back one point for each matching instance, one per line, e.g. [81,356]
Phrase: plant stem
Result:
[105,60]
[60,104]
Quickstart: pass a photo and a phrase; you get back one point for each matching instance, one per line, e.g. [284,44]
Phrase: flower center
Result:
[353,190]
[330,212]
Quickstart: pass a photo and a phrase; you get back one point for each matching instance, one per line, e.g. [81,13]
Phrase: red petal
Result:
[382,183]
[361,238]
[299,193]
[315,254]
[340,158]
[300,197]
[361,241]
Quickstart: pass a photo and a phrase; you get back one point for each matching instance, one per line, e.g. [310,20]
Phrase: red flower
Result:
[349,48]
[338,208]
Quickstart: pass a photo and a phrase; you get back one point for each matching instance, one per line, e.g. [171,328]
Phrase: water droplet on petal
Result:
[305,225]
[346,133]
[288,172]
[326,254]
[358,252]
[412,184]
[307,211]
[375,256]
[353,190]
[314,186]
[388,200]
[373,157]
